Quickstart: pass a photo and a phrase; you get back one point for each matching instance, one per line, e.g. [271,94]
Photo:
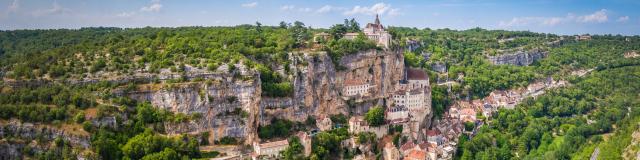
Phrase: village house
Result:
[375,32]
[320,37]
[271,149]
[434,137]
[324,123]
[453,112]
[487,110]
[407,147]
[390,151]
[415,154]
[397,114]
[631,54]
[468,115]
[357,124]
[583,37]
[354,87]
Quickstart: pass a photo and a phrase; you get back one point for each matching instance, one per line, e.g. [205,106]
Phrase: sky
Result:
[566,17]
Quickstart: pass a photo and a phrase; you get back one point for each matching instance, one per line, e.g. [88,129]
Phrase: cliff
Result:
[519,58]
[27,133]
[318,85]
[229,105]
[233,106]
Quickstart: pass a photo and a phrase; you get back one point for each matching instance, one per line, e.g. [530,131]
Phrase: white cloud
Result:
[325,9]
[329,8]
[623,19]
[287,7]
[126,14]
[552,21]
[54,10]
[154,7]
[250,5]
[14,6]
[597,17]
[305,9]
[519,21]
[378,8]
[395,12]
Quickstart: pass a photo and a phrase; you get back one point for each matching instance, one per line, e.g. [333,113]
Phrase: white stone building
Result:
[413,100]
[397,114]
[353,87]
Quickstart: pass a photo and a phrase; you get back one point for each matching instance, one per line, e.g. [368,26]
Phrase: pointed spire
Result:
[377,19]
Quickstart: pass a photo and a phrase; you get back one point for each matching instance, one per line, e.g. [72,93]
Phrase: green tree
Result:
[375,116]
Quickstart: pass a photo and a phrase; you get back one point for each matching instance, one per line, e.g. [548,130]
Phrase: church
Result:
[376,32]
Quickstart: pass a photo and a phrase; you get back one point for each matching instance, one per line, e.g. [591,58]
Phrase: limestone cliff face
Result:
[520,58]
[318,84]
[10,149]
[234,107]
[229,106]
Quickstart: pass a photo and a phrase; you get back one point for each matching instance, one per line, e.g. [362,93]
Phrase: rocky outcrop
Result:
[26,132]
[16,128]
[233,106]
[519,58]
[229,105]
[439,67]
[318,84]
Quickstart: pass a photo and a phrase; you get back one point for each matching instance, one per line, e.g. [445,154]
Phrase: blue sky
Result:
[550,16]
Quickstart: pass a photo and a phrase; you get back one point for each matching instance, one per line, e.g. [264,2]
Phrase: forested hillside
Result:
[597,111]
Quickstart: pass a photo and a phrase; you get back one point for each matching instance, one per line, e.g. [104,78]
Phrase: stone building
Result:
[270,148]
[413,100]
[354,87]
[391,152]
[397,114]
[357,124]
[467,115]
[415,78]
[324,123]
[375,32]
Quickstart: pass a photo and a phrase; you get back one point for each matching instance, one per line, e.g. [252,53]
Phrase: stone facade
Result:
[354,87]
[376,32]
[271,149]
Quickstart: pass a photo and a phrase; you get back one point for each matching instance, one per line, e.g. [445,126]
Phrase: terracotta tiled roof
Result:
[416,74]
[468,111]
[416,154]
[407,146]
[432,133]
[354,82]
